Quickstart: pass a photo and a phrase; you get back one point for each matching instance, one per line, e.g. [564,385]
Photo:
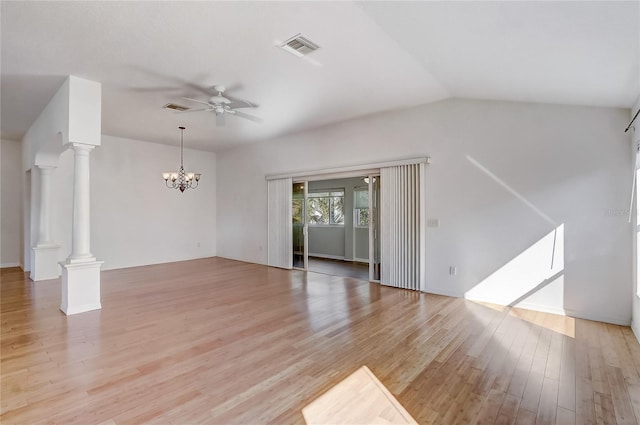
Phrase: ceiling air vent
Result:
[175,107]
[299,46]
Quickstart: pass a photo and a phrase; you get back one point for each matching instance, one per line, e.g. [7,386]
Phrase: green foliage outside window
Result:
[326,207]
[361,207]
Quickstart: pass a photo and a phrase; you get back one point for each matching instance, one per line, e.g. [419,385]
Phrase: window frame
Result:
[330,195]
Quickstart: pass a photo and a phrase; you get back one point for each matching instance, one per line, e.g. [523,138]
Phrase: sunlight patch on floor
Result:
[561,324]
[496,307]
[358,399]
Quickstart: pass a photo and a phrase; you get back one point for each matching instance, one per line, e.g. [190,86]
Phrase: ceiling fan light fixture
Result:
[221,106]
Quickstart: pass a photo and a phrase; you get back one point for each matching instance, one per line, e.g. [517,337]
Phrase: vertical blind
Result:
[280,248]
[402,226]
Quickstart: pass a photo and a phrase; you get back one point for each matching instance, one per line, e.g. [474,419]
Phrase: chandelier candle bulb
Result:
[181,180]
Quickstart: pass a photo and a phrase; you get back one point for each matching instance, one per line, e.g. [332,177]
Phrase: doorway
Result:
[335,226]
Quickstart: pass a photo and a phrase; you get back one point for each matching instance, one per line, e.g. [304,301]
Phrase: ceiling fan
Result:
[223,105]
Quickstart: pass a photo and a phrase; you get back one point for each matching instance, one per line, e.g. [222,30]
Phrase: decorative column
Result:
[44,256]
[81,271]
[81,233]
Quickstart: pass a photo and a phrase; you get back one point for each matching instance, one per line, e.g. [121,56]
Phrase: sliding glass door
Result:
[299,223]
[374,228]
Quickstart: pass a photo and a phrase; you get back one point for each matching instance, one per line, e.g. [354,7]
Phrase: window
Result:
[296,211]
[326,207]
[361,207]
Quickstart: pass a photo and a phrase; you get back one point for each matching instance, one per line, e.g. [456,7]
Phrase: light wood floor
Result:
[339,268]
[220,341]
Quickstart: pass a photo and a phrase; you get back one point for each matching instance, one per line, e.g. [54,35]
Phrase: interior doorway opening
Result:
[335,226]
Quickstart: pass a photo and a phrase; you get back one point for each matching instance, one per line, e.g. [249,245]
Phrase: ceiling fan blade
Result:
[247,116]
[220,120]
[195,110]
[181,83]
[239,101]
[209,91]
[232,88]
[196,100]
[235,104]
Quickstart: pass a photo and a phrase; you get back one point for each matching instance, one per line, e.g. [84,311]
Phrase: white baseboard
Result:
[361,260]
[543,308]
[243,260]
[636,330]
[80,308]
[109,266]
[330,257]
[547,309]
[7,265]
[446,293]
[598,318]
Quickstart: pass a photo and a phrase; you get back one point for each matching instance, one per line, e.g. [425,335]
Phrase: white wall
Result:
[635,298]
[503,176]
[11,182]
[135,219]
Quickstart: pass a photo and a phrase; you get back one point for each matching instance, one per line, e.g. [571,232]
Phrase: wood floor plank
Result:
[221,341]
[620,397]
[525,417]
[605,413]
[508,411]
[567,384]
[548,402]
[565,416]
[585,405]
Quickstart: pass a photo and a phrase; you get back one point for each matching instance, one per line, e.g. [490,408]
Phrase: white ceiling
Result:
[374,56]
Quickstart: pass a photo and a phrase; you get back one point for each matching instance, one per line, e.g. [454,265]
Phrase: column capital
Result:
[46,168]
[81,148]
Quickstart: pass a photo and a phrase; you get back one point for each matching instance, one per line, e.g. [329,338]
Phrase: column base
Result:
[80,287]
[44,262]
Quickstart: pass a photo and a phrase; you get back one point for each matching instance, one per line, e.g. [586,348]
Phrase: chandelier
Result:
[181,180]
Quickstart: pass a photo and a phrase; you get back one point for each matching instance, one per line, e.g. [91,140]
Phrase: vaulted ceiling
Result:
[373,57]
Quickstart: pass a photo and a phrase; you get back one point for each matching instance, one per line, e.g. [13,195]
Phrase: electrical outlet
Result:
[452,270]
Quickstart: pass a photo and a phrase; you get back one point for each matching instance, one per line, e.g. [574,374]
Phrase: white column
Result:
[81,271]
[44,255]
[44,231]
[81,232]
